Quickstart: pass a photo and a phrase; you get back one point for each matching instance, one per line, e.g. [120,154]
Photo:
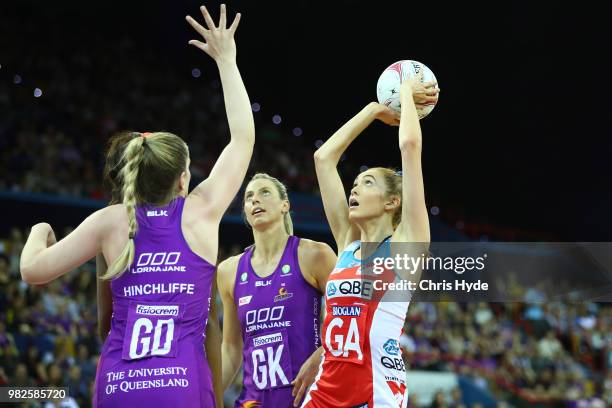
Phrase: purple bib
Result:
[154,354]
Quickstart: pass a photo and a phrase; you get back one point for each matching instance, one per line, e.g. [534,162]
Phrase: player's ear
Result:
[285,207]
[183,183]
[392,202]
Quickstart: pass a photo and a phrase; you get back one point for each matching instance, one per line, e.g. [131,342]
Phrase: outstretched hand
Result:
[218,40]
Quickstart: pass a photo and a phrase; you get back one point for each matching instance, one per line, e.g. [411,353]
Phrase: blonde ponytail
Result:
[288,223]
[132,157]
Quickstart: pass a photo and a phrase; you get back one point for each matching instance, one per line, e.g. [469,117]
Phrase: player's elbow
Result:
[29,273]
[412,143]
[26,272]
[321,158]
[318,156]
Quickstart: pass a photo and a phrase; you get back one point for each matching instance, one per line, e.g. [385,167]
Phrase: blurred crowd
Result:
[54,143]
[59,108]
[528,354]
[531,354]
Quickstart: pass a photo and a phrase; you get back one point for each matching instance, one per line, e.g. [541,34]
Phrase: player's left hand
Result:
[219,40]
[423,93]
[305,377]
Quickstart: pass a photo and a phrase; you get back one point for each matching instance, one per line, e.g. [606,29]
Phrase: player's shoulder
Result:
[311,247]
[226,269]
[117,210]
[111,217]
[314,252]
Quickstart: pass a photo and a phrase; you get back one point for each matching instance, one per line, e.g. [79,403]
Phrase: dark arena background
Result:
[517,149]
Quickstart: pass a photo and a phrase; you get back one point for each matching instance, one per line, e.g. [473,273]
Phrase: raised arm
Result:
[226,177]
[326,160]
[231,347]
[414,226]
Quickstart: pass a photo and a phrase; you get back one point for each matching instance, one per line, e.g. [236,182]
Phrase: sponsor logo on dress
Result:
[267,339]
[250,404]
[391,347]
[286,269]
[264,283]
[331,289]
[158,262]
[282,295]
[157,213]
[346,310]
[395,363]
[360,288]
[245,300]
[157,310]
[243,277]
[398,390]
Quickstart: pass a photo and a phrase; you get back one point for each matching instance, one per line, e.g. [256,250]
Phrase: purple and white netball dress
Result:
[154,354]
[279,315]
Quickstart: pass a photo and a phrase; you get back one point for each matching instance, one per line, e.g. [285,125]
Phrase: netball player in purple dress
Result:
[161,244]
[112,185]
[271,301]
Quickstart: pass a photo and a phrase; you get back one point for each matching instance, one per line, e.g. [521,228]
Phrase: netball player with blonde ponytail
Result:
[161,246]
[271,301]
[362,366]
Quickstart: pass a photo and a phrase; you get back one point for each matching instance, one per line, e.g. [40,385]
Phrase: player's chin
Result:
[354,215]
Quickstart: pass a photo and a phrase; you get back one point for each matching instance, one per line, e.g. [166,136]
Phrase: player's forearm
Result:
[232,358]
[317,353]
[237,103]
[331,151]
[410,128]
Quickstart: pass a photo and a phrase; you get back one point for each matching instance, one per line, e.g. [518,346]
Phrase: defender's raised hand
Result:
[218,40]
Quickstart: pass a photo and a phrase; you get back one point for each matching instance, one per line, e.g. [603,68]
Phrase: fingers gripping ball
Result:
[388,86]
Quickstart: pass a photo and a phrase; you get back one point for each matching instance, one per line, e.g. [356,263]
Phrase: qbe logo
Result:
[158,262]
[394,363]
[350,287]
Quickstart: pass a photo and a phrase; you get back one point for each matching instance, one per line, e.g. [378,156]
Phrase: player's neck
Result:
[374,230]
[270,242]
